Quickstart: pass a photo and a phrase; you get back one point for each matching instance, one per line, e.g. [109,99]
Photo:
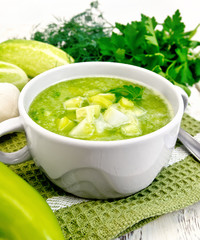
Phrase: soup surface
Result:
[93,108]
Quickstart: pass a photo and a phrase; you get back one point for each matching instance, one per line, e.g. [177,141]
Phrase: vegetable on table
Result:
[24,214]
[32,56]
[165,48]
[168,52]
[9,95]
[11,73]
[79,36]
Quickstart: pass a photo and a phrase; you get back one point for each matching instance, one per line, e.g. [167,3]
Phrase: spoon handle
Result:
[190,143]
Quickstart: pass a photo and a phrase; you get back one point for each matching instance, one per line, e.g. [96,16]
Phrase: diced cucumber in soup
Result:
[73,103]
[124,102]
[102,125]
[64,123]
[100,100]
[88,112]
[88,109]
[109,96]
[131,129]
[114,117]
[83,130]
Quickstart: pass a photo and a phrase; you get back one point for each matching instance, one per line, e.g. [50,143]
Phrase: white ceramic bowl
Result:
[97,169]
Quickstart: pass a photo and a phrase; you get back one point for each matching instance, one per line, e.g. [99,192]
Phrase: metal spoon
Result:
[190,143]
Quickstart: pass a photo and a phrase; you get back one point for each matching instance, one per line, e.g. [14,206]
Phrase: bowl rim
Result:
[86,143]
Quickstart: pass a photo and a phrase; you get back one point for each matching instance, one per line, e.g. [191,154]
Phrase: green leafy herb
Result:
[165,48]
[167,51]
[128,91]
[78,36]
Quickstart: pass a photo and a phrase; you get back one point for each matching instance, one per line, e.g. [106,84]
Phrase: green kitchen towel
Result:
[176,187]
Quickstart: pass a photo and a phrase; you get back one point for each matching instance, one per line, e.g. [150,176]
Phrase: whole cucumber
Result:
[32,56]
[10,73]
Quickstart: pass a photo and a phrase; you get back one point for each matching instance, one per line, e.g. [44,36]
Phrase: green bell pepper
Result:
[24,214]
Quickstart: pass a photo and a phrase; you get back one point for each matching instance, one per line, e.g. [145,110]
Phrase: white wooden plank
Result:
[180,225]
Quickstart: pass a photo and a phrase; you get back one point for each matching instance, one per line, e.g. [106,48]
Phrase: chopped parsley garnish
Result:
[128,91]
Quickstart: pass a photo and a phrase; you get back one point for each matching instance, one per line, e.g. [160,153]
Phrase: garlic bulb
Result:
[9,95]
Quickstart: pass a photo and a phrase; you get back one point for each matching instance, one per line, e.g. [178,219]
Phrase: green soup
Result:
[88,109]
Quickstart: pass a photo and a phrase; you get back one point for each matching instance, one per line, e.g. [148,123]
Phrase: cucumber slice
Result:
[124,102]
[138,111]
[64,123]
[115,118]
[100,100]
[109,96]
[101,125]
[73,103]
[83,130]
[132,113]
[131,129]
[89,112]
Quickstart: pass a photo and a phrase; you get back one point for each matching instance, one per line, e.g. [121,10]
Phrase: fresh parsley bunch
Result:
[164,48]
[168,51]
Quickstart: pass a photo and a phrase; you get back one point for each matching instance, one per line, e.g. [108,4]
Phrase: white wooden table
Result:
[17,19]
[180,225]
